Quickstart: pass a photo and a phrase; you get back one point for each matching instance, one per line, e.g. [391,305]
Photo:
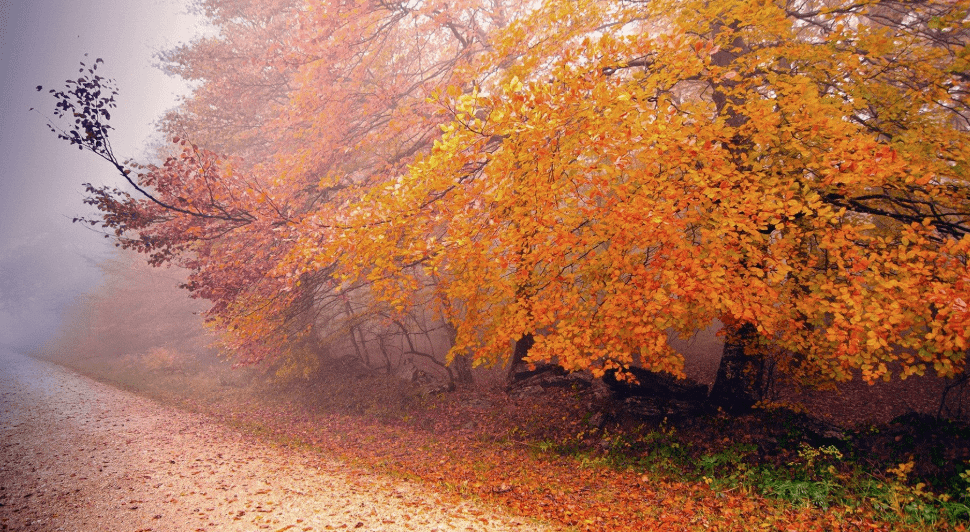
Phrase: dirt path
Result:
[77,455]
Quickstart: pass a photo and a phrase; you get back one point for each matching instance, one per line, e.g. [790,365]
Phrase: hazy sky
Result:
[45,260]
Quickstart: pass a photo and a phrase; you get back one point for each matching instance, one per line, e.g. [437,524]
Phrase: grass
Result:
[818,477]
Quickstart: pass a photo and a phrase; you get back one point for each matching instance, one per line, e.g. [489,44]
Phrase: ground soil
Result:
[77,455]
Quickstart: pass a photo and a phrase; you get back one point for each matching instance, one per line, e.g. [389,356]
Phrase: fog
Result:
[137,324]
[43,274]
[138,329]
[46,262]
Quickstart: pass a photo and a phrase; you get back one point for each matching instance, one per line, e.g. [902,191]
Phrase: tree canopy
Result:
[593,174]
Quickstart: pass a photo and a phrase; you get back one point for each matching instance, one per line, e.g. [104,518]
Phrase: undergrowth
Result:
[821,476]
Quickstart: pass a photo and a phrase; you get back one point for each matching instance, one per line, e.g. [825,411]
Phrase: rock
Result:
[476,404]
[527,391]
[657,395]
[408,372]
[643,407]
[600,391]
[653,384]
[436,388]
[523,372]
[547,376]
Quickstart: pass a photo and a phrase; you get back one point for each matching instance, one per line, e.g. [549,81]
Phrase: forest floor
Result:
[571,456]
[77,455]
[575,458]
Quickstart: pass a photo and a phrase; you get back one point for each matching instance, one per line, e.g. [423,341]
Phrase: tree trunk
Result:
[738,384]
[522,346]
[463,371]
[461,364]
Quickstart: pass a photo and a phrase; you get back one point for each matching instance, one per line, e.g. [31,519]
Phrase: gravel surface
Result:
[77,455]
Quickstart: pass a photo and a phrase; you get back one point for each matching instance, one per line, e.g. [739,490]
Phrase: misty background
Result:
[47,263]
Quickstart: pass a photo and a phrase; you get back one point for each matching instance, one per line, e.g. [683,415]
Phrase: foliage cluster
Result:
[592,175]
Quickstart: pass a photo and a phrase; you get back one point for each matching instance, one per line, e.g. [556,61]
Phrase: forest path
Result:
[78,455]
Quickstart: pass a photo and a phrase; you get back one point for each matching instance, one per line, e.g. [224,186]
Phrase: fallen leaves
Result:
[544,486]
[272,487]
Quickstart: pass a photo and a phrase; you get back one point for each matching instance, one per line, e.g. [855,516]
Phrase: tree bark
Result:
[522,346]
[460,363]
[738,384]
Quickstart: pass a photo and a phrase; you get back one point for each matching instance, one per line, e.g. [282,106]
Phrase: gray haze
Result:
[45,260]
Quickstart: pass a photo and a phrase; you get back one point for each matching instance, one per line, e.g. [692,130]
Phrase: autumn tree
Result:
[583,178]
[299,109]
[796,170]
